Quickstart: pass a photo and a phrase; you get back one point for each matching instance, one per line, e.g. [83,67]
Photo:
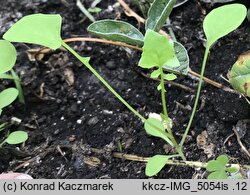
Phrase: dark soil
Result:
[68,123]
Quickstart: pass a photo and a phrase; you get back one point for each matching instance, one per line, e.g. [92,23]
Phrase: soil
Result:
[74,127]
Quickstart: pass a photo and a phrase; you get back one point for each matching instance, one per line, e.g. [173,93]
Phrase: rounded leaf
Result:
[223,159]
[7,96]
[16,137]
[155,164]
[117,31]
[239,76]
[223,20]
[41,29]
[7,56]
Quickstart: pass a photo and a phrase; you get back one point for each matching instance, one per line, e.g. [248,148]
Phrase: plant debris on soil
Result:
[75,123]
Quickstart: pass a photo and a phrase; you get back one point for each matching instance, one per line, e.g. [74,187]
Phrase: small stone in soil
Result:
[111,65]
[93,121]
[73,108]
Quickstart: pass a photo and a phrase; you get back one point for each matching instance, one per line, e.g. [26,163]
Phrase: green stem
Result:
[166,117]
[6,76]
[197,96]
[163,99]
[85,62]
[18,86]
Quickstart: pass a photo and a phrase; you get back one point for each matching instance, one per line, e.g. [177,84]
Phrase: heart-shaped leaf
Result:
[41,29]
[157,50]
[239,76]
[16,137]
[223,20]
[182,55]
[155,128]
[7,96]
[117,31]
[7,56]
[155,164]
[158,14]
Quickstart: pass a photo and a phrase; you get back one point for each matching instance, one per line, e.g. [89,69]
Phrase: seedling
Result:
[7,62]
[219,168]
[7,96]
[45,30]
[124,32]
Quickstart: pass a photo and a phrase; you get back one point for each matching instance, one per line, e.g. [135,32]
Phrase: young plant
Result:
[220,169]
[7,62]
[124,32]
[158,51]
[7,96]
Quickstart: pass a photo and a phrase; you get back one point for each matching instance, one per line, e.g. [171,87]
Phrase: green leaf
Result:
[182,55]
[94,9]
[155,128]
[232,169]
[218,164]
[155,73]
[214,165]
[223,20]
[218,175]
[116,31]
[155,164]
[223,159]
[7,56]
[7,96]
[158,14]
[41,29]
[170,77]
[157,50]
[16,137]
[239,76]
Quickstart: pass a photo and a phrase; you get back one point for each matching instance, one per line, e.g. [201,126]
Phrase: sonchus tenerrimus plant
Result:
[158,51]
[7,96]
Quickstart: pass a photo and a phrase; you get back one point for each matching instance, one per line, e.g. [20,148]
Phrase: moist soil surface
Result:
[75,123]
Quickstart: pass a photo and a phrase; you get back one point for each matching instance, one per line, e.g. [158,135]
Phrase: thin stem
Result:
[6,76]
[18,86]
[166,117]
[163,98]
[85,62]
[85,11]
[197,96]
